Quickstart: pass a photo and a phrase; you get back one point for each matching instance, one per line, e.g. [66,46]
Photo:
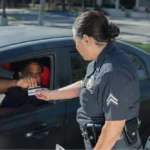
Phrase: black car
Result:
[44,126]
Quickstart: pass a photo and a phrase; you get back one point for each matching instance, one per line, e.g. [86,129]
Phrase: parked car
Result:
[44,126]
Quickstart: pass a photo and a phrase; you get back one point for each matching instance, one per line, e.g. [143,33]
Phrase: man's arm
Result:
[6,73]
[68,92]
[5,84]
[110,133]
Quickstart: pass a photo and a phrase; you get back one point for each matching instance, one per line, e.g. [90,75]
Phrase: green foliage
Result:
[33,8]
[10,18]
[145,47]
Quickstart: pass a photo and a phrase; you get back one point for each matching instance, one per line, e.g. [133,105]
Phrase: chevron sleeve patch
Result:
[112,100]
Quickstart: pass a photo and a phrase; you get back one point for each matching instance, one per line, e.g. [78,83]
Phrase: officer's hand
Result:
[44,94]
[27,82]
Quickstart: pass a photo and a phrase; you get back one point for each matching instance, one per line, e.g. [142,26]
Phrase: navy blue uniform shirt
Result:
[110,88]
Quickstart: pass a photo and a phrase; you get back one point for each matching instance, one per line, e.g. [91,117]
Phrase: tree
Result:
[12,3]
[83,5]
[128,5]
[63,5]
[4,12]
[4,20]
[49,4]
[41,12]
[55,4]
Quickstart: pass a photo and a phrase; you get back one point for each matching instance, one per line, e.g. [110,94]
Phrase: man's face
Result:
[33,70]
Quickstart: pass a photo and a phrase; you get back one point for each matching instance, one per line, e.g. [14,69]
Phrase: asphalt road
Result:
[137,30]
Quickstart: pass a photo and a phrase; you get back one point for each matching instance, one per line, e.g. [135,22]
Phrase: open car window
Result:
[16,98]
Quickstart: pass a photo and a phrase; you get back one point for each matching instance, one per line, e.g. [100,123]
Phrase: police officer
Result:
[109,94]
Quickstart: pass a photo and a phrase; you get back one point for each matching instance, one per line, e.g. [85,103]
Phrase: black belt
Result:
[92,132]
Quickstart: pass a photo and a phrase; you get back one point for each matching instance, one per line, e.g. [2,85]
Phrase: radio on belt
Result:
[32,91]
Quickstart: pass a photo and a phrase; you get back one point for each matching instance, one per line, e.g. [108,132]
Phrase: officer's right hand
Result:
[26,82]
[44,94]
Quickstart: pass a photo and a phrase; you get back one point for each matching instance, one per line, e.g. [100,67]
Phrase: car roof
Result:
[11,35]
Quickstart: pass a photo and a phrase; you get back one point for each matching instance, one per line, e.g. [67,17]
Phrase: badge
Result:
[90,82]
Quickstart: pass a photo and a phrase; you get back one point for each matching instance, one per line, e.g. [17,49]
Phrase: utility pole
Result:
[63,5]
[93,3]
[117,4]
[83,5]
[55,4]
[33,3]
[4,20]
[137,4]
[41,13]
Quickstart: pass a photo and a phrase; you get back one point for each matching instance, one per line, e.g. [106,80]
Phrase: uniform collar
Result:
[96,64]
[108,48]
[91,69]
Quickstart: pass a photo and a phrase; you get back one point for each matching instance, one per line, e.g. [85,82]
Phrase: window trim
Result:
[145,68]
[51,57]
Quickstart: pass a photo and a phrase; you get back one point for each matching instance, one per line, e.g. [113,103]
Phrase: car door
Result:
[142,72]
[78,69]
[38,128]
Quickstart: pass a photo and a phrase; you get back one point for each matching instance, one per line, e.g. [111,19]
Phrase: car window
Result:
[139,66]
[19,97]
[79,66]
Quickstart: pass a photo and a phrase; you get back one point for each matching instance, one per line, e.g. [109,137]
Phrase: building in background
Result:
[116,7]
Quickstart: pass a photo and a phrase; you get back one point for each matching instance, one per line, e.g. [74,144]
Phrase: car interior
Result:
[10,71]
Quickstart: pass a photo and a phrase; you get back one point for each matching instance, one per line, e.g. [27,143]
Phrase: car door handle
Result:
[42,130]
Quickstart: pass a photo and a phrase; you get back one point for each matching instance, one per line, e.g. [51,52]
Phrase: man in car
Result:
[30,75]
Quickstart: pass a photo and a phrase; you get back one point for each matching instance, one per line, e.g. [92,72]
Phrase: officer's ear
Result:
[87,39]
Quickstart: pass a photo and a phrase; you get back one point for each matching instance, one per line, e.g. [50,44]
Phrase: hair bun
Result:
[113,30]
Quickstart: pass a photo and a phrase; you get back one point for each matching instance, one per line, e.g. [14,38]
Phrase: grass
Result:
[10,18]
[145,47]
[33,9]
[37,9]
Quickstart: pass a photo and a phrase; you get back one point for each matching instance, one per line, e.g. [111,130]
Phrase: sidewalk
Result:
[25,11]
[130,13]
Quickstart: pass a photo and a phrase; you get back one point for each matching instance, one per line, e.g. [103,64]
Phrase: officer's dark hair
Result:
[95,25]
[27,62]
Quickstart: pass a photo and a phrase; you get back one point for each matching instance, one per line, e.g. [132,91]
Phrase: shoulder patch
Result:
[112,100]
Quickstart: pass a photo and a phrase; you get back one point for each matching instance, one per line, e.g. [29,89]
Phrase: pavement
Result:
[136,30]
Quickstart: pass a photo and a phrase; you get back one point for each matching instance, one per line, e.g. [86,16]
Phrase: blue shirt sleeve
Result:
[117,94]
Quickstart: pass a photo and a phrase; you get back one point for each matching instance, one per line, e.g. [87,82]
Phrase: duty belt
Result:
[129,133]
[86,137]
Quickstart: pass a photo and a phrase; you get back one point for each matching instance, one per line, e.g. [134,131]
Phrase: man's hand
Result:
[26,82]
[44,94]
